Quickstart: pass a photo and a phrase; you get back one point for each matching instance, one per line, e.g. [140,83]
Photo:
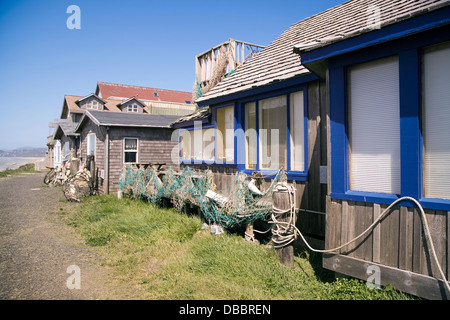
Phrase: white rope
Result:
[286,232]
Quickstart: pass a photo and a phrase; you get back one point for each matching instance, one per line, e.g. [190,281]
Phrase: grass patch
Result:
[167,256]
[27,168]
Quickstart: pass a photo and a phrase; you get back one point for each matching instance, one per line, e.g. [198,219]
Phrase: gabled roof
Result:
[91,95]
[278,62]
[65,129]
[114,119]
[106,90]
[131,99]
[70,105]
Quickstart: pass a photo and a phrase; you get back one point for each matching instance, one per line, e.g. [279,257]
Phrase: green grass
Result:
[166,255]
[27,168]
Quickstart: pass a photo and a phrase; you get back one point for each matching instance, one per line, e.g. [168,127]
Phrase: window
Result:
[132,107]
[297,131]
[225,134]
[91,144]
[250,135]
[374,126]
[389,123]
[272,132]
[267,123]
[197,144]
[66,150]
[57,154]
[436,121]
[130,150]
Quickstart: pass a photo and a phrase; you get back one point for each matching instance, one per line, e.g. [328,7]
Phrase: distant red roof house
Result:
[106,90]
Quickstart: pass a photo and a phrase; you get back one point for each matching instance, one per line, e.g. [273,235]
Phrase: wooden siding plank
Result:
[334,223]
[363,219]
[406,238]
[437,227]
[376,238]
[417,242]
[390,236]
[348,226]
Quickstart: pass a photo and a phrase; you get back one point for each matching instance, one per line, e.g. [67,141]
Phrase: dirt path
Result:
[37,247]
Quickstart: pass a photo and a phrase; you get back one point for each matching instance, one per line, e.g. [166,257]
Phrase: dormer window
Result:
[91,102]
[132,107]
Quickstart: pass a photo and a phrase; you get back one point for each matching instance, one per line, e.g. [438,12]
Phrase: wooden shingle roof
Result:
[278,62]
[115,119]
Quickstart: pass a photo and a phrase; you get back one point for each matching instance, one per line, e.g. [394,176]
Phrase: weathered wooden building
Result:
[117,139]
[354,104]
[155,101]
[386,67]
[117,98]
[266,115]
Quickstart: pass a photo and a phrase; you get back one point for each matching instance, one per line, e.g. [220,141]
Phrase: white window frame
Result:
[196,143]
[135,151]
[88,144]
[295,137]
[133,107]
[224,141]
[57,154]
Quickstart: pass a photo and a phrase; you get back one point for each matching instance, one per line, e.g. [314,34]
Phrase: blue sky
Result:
[136,42]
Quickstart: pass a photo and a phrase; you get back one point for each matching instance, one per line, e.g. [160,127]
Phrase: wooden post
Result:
[74,166]
[281,202]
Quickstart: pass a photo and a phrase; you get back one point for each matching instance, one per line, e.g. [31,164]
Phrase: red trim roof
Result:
[106,90]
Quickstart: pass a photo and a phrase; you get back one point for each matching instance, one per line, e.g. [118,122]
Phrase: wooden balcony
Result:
[214,64]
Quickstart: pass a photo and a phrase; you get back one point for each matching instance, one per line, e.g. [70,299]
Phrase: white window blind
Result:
[57,154]
[225,134]
[272,133]
[130,150]
[297,130]
[436,121]
[197,144]
[91,144]
[250,135]
[374,126]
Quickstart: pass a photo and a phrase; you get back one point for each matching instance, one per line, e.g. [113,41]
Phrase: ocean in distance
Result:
[16,162]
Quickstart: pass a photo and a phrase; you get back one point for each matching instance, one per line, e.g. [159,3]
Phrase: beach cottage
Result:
[387,67]
[268,114]
[113,98]
[353,103]
[116,139]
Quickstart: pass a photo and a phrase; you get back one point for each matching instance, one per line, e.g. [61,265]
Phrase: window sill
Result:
[270,174]
[384,198]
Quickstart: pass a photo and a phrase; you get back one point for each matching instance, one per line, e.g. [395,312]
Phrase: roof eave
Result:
[319,51]
[275,84]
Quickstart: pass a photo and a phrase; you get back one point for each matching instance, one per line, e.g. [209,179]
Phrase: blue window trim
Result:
[196,161]
[409,51]
[239,99]
[291,175]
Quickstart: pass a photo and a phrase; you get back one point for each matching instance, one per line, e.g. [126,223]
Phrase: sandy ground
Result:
[37,248]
